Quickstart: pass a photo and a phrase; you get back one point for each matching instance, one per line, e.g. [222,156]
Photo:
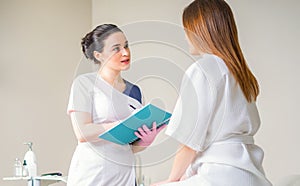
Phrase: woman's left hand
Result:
[146,135]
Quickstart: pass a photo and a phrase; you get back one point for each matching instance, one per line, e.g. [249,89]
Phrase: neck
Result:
[111,76]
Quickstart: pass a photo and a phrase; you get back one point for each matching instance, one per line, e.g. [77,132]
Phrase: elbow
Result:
[86,138]
[80,134]
[80,137]
[81,140]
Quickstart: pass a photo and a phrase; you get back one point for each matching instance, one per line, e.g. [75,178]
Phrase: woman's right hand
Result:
[146,135]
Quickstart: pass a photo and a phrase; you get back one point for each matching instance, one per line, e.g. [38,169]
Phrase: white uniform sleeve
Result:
[190,119]
[80,97]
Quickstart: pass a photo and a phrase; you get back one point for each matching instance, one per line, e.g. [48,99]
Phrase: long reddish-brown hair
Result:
[210,27]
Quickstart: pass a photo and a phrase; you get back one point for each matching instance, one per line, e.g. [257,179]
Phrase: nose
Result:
[125,51]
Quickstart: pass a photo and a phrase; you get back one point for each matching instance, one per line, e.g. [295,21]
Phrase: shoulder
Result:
[210,67]
[86,77]
[212,63]
[85,80]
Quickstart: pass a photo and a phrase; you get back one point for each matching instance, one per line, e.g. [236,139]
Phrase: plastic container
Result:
[18,168]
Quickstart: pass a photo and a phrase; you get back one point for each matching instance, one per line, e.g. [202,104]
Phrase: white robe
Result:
[102,163]
[213,117]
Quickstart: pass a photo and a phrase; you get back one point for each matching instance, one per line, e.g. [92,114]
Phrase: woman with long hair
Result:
[215,117]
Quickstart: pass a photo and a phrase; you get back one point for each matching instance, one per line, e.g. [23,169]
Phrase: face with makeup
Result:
[115,54]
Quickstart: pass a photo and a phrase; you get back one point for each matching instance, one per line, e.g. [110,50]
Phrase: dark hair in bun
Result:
[94,40]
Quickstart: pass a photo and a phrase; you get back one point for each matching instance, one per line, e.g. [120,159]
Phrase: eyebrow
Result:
[115,45]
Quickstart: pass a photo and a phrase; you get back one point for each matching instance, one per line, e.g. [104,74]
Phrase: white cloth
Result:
[101,163]
[213,117]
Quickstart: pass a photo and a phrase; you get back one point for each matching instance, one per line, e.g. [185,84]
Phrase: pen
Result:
[132,106]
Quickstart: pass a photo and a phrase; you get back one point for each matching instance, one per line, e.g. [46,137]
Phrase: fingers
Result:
[154,127]
[161,128]
[146,129]
[138,134]
[142,131]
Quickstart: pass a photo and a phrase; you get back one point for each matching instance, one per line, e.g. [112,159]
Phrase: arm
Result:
[84,129]
[183,159]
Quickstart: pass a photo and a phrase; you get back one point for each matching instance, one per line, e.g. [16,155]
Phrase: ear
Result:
[98,56]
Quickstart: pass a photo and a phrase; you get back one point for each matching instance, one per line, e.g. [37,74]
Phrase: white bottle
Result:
[30,159]
[17,168]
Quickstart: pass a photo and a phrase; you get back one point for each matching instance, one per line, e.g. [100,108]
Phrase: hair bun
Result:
[94,40]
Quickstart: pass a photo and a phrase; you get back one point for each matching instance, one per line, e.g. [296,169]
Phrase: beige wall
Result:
[269,35]
[40,50]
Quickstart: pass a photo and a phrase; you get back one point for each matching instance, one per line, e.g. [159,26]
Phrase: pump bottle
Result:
[30,159]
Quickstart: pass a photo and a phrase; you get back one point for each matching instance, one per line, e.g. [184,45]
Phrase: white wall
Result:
[269,35]
[40,50]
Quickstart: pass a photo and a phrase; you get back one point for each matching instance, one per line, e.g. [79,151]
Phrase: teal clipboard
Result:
[123,133]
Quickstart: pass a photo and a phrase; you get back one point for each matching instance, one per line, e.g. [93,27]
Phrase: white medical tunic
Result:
[102,163]
[213,117]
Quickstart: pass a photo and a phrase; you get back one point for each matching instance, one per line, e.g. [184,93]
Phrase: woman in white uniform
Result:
[215,117]
[97,102]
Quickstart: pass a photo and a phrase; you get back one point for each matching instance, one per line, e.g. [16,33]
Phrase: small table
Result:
[38,180]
